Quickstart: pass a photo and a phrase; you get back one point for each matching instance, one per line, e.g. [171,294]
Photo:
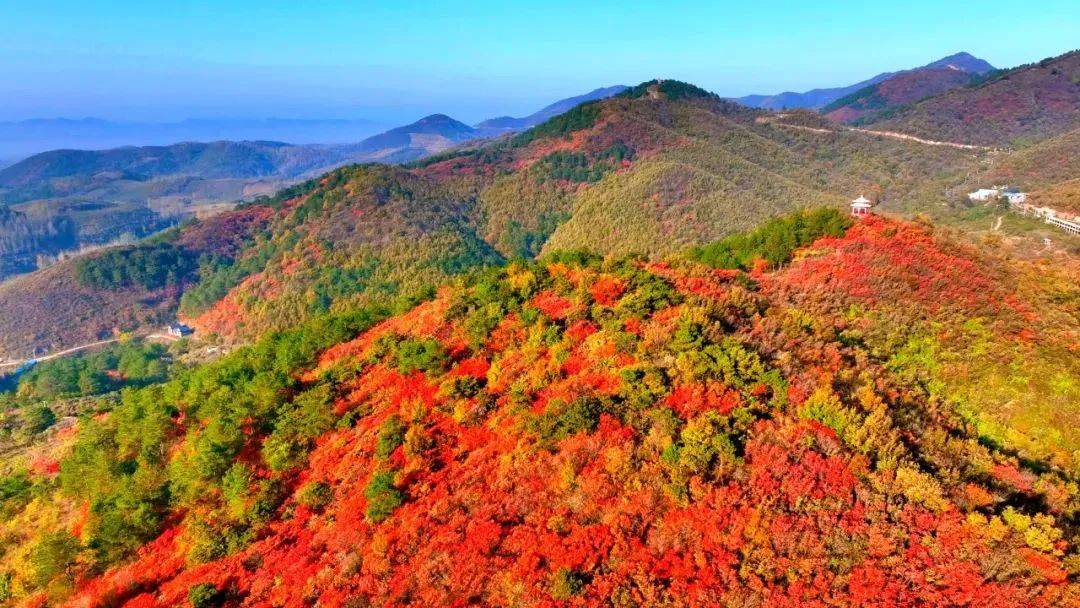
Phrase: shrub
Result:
[382,496]
[309,415]
[315,495]
[566,583]
[391,434]
[52,556]
[205,595]
[561,419]
[37,418]
[824,407]
[419,355]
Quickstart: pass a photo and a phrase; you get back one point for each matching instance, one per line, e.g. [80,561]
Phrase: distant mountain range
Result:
[97,196]
[1014,107]
[20,139]
[23,138]
[66,172]
[819,98]
[508,123]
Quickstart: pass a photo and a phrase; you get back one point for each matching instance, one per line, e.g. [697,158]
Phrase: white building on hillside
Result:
[860,206]
[1014,196]
[178,330]
[984,194]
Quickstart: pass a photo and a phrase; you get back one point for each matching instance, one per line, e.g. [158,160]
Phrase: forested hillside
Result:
[23,238]
[1050,161]
[652,170]
[659,167]
[119,289]
[817,99]
[1015,107]
[815,414]
[888,95]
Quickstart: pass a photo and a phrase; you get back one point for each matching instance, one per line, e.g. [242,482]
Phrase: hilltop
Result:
[426,136]
[578,431]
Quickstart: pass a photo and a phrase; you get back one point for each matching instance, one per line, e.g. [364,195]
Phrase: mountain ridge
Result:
[151,187]
[818,98]
[1021,105]
[503,124]
[895,91]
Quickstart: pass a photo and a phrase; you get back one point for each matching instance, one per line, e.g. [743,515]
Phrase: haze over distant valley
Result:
[19,139]
[63,200]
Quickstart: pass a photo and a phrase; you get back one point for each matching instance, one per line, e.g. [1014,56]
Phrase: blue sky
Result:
[393,61]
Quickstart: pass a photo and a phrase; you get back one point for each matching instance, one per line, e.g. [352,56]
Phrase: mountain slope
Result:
[53,309]
[1063,198]
[24,238]
[1017,107]
[365,235]
[895,91]
[582,433]
[504,124]
[1048,162]
[107,196]
[818,98]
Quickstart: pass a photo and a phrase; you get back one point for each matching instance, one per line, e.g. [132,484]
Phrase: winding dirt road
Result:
[889,134]
[61,353]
